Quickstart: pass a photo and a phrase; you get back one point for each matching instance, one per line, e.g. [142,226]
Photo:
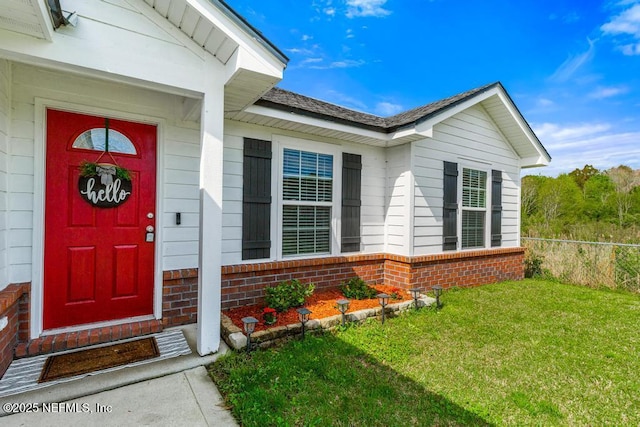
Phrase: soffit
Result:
[197,27]
[24,17]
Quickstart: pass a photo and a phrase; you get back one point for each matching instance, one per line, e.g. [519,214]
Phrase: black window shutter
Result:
[256,199]
[351,190]
[496,208]
[450,207]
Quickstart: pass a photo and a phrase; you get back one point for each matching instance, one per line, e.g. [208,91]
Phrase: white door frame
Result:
[39,157]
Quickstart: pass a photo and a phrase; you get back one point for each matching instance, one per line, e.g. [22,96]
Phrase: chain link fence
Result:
[593,264]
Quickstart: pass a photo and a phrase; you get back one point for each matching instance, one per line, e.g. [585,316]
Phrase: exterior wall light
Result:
[383,299]
[303,315]
[415,293]
[437,289]
[249,324]
[343,306]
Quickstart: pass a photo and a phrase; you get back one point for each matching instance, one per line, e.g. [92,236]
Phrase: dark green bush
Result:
[533,265]
[287,294]
[356,288]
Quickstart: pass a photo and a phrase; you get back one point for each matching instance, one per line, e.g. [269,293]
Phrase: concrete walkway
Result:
[172,392]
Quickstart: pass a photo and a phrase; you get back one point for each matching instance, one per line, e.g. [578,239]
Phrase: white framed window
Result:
[473,209]
[307,198]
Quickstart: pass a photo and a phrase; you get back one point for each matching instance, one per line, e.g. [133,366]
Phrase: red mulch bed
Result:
[322,304]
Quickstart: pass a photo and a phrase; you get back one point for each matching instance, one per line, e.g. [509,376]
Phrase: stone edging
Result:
[237,340]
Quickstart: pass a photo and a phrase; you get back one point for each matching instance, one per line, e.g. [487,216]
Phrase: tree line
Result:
[585,204]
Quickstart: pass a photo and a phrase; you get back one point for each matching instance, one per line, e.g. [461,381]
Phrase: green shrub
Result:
[287,294]
[533,265]
[356,288]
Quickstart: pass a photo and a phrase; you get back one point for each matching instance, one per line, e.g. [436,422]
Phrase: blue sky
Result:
[572,67]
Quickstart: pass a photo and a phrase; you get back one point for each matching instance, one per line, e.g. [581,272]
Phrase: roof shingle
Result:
[299,104]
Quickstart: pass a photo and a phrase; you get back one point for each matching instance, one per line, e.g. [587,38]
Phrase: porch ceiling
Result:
[25,17]
[255,64]
[200,29]
[197,20]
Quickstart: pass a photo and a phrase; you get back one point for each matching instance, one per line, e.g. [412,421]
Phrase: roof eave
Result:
[340,129]
[319,116]
[251,30]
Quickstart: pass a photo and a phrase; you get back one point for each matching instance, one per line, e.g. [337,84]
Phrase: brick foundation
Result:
[14,304]
[180,297]
[243,284]
[460,269]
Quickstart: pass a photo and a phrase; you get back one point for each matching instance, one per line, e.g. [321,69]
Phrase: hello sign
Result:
[105,189]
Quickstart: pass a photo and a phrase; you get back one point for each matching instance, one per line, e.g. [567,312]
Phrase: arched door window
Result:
[95,139]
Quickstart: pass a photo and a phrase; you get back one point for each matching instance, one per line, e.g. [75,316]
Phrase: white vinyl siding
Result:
[5,119]
[178,151]
[471,139]
[232,200]
[398,200]
[372,197]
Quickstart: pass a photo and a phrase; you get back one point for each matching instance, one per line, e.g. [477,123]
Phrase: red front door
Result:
[98,261]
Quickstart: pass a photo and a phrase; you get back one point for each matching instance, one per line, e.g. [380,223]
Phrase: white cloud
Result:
[350,34]
[572,64]
[310,61]
[630,49]
[346,63]
[558,134]
[626,25]
[608,92]
[544,102]
[628,22]
[306,37]
[299,51]
[386,109]
[330,11]
[365,8]
[597,144]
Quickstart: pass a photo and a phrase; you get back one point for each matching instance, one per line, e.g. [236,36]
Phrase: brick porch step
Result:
[71,340]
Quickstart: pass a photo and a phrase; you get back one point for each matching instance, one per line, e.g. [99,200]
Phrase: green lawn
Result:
[517,353]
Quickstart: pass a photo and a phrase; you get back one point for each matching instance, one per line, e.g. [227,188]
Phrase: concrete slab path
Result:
[172,392]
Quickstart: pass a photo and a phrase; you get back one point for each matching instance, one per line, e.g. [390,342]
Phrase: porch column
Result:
[209,263]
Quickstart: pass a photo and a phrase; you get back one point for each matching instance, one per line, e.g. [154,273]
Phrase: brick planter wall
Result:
[243,284]
[461,269]
[480,268]
[180,297]
[14,300]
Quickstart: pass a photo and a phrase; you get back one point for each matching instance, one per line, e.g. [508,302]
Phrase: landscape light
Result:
[343,306]
[303,315]
[249,327]
[437,289]
[383,299]
[415,293]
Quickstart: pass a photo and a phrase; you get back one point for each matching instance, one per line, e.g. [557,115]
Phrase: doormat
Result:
[95,359]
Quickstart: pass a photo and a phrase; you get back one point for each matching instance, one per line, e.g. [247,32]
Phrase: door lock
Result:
[150,234]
